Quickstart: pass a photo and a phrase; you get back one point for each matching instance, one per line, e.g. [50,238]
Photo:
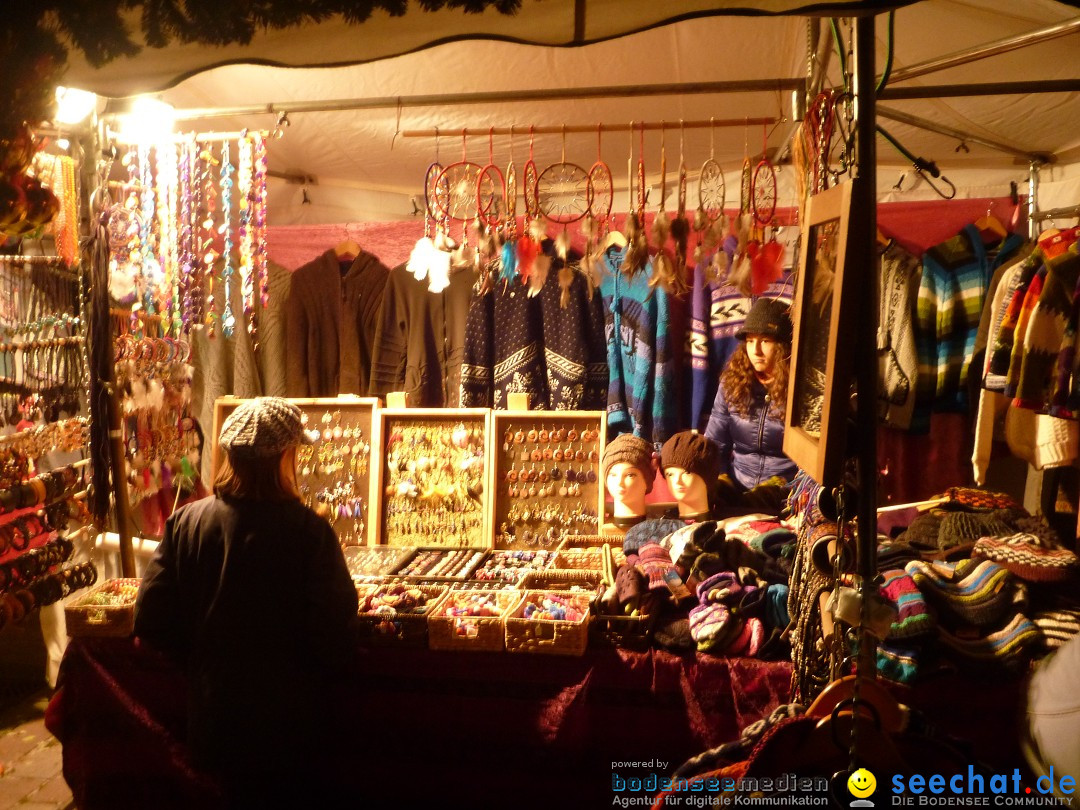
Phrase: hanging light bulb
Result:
[149,121]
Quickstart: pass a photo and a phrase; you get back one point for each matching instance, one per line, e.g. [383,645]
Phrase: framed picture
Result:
[822,347]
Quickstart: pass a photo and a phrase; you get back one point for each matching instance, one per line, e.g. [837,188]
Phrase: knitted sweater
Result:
[898,361]
[636,317]
[575,353]
[951,294]
[1002,344]
[1027,307]
[271,349]
[420,340]
[1046,331]
[332,319]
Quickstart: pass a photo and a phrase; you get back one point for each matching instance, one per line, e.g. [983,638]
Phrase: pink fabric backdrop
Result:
[916,225]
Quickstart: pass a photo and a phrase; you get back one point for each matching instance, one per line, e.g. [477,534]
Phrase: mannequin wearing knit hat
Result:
[691,465]
[628,474]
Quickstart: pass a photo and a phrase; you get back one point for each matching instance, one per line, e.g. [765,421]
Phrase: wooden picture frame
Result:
[821,351]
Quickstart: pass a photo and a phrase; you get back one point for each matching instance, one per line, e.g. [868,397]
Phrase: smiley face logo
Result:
[861,783]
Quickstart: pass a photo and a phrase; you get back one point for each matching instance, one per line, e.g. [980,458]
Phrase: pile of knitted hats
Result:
[734,618]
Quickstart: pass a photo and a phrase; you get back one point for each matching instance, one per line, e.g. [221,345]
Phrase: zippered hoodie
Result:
[751,446]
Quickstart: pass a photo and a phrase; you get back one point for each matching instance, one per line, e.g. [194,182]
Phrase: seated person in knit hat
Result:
[747,420]
[628,475]
[691,465]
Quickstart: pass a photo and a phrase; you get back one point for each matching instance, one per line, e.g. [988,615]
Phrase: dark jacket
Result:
[752,446]
[420,340]
[331,322]
[255,598]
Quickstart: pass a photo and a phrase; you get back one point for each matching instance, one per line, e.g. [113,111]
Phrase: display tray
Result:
[397,613]
[511,566]
[376,561]
[441,564]
[536,624]
[546,476]
[455,624]
[562,580]
[433,480]
[107,609]
[334,474]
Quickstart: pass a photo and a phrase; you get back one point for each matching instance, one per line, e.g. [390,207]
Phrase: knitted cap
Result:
[973,592]
[1057,626]
[978,499]
[912,619]
[923,531]
[654,561]
[629,449]
[896,664]
[770,317]
[1027,558]
[965,527]
[694,453]
[263,427]
[1006,646]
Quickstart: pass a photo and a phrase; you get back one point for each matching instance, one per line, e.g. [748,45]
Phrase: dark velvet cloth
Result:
[431,728]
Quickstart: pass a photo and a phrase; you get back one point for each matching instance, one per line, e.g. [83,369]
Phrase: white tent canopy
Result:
[361,167]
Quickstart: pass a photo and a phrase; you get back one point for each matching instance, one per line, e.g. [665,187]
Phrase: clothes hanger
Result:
[347,249]
[990,228]
[882,239]
[890,713]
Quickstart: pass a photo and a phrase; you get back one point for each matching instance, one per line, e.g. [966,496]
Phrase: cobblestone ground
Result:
[30,759]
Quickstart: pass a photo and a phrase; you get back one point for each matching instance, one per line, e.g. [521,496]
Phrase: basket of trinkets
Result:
[106,610]
[471,620]
[549,623]
[397,613]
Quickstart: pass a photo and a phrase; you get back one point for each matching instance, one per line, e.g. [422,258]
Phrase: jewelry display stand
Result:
[334,474]
[546,476]
[433,487]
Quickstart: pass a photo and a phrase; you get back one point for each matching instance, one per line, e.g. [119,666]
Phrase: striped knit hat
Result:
[978,499]
[971,592]
[1009,645]
[912,619]
[1057,626]
[262,428]
[1028,559]
[897,664]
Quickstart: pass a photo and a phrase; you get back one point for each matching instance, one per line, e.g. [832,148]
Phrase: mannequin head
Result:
[691,465]
[628,473]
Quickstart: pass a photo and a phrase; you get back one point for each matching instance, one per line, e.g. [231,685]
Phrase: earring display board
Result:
[546,476]
[433,479]
[334,474]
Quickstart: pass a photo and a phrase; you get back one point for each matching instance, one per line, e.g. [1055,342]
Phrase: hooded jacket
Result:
[751,446]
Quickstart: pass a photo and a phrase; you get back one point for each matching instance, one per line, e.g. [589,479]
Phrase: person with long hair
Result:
[747,419]
[250,592]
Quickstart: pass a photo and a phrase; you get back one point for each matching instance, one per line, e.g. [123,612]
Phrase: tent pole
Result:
[988,49]
[589,129]
[960,135]
[981,89]
[494,97]
[1033,199]
[863,256]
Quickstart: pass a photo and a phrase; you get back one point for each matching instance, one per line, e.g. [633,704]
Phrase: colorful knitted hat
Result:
[652,530]
[978,499]
[897,664]
[629,449]
[1007,645]
[1037,525]
[972,592]
[966,527]
[1026,558]
[262,428]
[912,618]
[654,562]
[694,453]
[1057,626]
[895,554]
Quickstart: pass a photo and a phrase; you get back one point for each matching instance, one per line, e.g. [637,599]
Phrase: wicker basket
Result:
[484,633]
[85,617]
[631,632]
[389,627]
[561,579]
[548,636]
[586,559]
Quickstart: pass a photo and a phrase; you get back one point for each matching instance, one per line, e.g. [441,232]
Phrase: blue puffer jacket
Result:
[751,447]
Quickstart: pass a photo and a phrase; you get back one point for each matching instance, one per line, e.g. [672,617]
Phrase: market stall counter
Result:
[483,729]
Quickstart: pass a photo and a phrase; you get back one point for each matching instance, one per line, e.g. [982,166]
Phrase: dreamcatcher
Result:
[763,190]
[490,186]
[680,226]
[637,250]
[765,258]
[456,188]
[564,195]
[528,246]
[596,225]
[712,191]
[430,257]
[666,272]
[508,259]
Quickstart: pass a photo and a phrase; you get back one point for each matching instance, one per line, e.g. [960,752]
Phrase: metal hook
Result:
[926,176]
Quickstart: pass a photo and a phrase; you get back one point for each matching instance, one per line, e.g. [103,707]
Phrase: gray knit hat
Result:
[633,450]
[263,427]
[770,317]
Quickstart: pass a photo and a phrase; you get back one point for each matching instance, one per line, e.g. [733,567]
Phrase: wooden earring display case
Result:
[335,473]
[546,481]
[433,477]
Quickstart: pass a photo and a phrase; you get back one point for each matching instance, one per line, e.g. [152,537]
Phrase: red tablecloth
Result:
[485,729]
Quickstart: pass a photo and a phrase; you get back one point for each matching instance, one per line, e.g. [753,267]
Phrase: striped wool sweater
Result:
[1027,306]
[1046,332]
[635,323]
[951,296]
